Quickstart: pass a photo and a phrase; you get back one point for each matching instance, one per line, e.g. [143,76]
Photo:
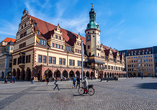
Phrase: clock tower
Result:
[92,35]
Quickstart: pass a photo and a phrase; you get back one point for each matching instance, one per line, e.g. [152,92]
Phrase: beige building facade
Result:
[43,49]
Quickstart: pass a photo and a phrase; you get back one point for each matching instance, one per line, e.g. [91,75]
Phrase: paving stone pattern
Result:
[125,94]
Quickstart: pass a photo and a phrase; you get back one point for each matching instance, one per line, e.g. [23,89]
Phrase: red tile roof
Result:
[45,28]
[9,39]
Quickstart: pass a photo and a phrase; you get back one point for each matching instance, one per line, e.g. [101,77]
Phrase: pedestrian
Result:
[78,82]
[5,80]
[74,81]
[85,84]
[47,80]
[32,80]
[13,79]
[56,84]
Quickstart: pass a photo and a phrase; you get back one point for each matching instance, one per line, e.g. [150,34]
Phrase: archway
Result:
[39,75]
[14,72]
[110,74]
[2,74]
[28,72]
[71,74]
[57,74]
[87,74]
[23,75]
[18,73]
[65,73]
[100,74]
[105,75]
[48,73]
[92,74]
[78,73]
[9,74]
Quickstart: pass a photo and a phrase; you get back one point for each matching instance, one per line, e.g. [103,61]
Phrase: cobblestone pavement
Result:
[125,94]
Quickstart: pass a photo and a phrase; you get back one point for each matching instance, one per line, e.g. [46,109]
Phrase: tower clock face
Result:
[88,37]
[98,39]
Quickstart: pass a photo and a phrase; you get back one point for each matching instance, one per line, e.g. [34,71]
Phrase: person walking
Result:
[32,80]
[78,82]
[56,84]
[47,80]
[13,79]
[74,81]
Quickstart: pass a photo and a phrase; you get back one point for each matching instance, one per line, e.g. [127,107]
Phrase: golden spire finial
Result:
[92,4]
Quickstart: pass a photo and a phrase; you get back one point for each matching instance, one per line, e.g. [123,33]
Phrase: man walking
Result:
[47,80]
[78,82]
[56,83]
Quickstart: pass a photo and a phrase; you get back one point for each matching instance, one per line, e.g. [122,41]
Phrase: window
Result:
[21,27]
[22,45]
[8,48]
[44,59]
[59,38]
[93,36]
[42,42]
[68,48]
[98,54]
[54,60]
[11,48]
[60,61]
[88,46]
[39,58]
[78,62]
[56,36]
[93,31]
[50,59]
[70,62]
[14,61]
[108,67]
[52,44]
[38,32]
[56,45]
[59,46]
[73,62]
[63,61]
[35,24]
[28,58]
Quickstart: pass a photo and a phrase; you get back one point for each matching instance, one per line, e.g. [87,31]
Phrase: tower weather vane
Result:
[92,4]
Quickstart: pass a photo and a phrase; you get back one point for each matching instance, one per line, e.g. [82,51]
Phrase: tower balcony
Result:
[98,47]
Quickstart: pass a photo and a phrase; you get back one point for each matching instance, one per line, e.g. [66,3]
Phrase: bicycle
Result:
[90,90]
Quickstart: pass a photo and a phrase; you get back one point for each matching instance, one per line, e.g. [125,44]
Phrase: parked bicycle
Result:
[90,90]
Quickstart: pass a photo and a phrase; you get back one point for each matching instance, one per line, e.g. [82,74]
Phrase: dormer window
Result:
[149,52]
[68,48]
[147,49]
[56,36]
[8,48]
[21,27]
[35,24]
[38,32]
[11,48]
[139,51]
[42,42]
[143,50]
[59,38]
[93,31]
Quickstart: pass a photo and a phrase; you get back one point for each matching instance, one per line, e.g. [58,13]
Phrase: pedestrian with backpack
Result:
[74,82]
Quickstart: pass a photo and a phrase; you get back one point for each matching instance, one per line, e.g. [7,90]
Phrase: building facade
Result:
[6,50]
[43,49]
[140,62]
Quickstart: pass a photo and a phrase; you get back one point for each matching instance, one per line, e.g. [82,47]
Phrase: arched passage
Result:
[57,74]
[92,74]
[65,74]
[28,72]
[87,74]
[48,73]
[9,74]
[23,75]
[18,73]
[14,72]
[78,73]
[105,74]
[71,74]
[39,75]
[2,74]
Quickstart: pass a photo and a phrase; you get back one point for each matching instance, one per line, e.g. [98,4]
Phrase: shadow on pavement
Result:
[65,88]
[147,86]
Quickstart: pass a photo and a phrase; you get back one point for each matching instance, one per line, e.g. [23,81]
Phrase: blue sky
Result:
[124,24]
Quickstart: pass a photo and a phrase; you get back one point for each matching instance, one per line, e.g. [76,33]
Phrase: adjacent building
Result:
[141,62]
[6,50]
[43,49]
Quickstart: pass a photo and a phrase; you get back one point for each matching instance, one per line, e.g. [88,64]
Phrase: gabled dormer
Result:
[77,44]
[110,55]
[118,57]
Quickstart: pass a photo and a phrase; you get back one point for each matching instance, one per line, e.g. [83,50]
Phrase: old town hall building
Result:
[43,49]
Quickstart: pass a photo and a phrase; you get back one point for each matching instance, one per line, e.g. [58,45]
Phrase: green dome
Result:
[92,24]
